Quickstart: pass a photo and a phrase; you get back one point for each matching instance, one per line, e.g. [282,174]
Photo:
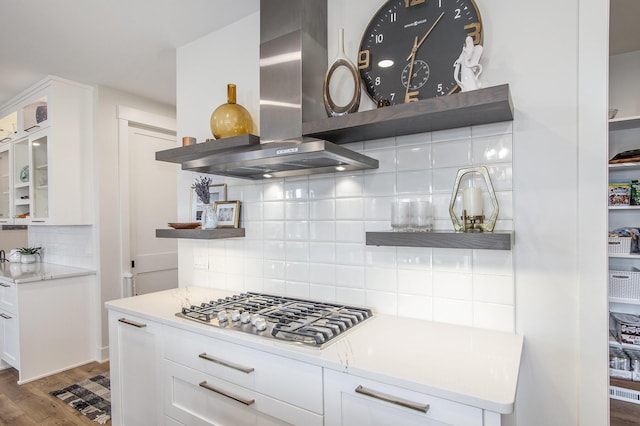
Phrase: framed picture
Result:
[218,192]
[228,214]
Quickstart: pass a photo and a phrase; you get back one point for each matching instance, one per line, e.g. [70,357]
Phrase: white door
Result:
[153,203]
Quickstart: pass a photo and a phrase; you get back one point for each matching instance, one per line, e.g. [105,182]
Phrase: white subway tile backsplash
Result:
[322,230]
[381,184]
[296,210]
[416,282]
[349,186]
[273,230]
[297,230]
[492,149]
[326,293]
[413,183]
[297,251]
[273,249]
[386,161]
[296,188]
[349,208]
[459,133]
[378,208]
[322,187]
[349,276]
[413,306]
[375,144]
[496,262]
[380,279]
[416,139]
[322,209]
[452,154]
[322,252]
[273,269]
[273,210]
[382,302]
[350,296]
[380,256]
[493,289]
[305,236]
[452,285]
[297,271]
[452,260]
[416,157]
[322,273]
[349,231]
[459,312]
[273,191]
[349,254]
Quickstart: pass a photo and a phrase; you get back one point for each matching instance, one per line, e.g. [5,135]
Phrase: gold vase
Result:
[231,119]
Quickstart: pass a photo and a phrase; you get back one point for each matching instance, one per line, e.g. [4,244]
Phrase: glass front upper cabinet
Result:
[40,178]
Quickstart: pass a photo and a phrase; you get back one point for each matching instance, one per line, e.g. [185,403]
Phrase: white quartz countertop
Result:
[29,272]
[463,364]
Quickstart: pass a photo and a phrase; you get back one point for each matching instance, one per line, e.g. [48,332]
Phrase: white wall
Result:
[542,69]
[108,223]
[624,89]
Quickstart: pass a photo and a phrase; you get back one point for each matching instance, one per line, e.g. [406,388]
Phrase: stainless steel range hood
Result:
[293,61]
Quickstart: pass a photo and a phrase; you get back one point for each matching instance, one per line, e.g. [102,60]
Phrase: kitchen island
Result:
[46,318]
[408,369]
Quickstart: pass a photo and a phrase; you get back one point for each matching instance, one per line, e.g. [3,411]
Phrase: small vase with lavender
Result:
[209,216]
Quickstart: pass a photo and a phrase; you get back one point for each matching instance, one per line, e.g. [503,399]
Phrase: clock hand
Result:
[412,56]
[417,45]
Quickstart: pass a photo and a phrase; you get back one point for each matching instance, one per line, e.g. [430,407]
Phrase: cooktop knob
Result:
[245,317]
[222,316]
[260,324]
[235,315]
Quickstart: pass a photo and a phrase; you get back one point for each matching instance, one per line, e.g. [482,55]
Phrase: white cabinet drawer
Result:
[9,297]
[354,401]
[282,378]
[195,398]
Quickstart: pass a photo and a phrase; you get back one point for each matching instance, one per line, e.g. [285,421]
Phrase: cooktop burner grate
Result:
[285,318]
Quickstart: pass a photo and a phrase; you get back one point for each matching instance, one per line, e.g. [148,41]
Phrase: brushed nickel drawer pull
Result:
[423,408]
[228,395]
[246,370]
[5,316]
[5,285]
[133,323]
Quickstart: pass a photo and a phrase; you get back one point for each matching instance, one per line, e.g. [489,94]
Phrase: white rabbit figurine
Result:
[466,69]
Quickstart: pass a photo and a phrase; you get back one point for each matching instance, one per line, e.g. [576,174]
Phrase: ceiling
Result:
[124,44]
[131,44]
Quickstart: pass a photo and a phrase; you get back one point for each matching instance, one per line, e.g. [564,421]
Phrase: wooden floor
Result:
[30,404]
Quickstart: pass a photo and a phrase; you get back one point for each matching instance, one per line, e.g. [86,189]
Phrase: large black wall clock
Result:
[408,49]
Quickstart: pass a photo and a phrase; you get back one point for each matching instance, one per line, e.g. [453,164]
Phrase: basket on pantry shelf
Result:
[625,284]
[619,245]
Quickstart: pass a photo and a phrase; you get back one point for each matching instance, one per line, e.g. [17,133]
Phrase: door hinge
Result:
[133,263]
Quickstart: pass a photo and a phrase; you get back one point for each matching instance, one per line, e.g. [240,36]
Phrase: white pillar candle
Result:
[472,201]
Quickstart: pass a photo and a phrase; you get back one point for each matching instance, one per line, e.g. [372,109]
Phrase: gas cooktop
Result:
[285,318]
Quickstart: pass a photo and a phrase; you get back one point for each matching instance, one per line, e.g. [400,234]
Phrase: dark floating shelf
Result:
[200,234]
[443,239]
[482,106]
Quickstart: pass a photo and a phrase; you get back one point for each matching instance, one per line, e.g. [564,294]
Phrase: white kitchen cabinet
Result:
[6,183]
[9,346]
[134,353]
[9,330]
[45,326]
[214,382]
[354,401]
[51,177]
